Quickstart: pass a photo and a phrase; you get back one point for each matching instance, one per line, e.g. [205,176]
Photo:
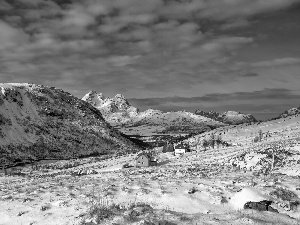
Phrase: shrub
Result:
[100,212]
[218,140]
[45,207]
[283,194]
[212,140]
[205,144]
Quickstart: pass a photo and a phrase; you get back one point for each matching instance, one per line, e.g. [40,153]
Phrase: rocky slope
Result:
[119,113]
[44,122]
[290,112]
[230,117]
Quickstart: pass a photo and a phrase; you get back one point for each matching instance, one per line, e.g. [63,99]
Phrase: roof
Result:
[179,146]
[148,155]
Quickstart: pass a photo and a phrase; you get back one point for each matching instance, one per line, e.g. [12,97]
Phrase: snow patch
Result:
[248,194]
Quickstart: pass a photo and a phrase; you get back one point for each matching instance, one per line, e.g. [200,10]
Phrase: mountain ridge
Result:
[45,122]
[229,117]
[290,112]
[119,113]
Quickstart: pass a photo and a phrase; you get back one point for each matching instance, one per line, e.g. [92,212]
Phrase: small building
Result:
[180,149]
[145,160]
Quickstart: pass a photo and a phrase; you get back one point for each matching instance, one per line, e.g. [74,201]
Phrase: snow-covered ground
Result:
[221,188]
[200,187]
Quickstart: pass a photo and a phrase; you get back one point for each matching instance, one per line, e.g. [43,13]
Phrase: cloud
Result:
[10,36]
[250,75]
[5,6]
[123,60]
[235,24]
[145,48]
[277,62]
[221,10]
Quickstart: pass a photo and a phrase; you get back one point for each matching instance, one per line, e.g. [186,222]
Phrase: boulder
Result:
[264,205]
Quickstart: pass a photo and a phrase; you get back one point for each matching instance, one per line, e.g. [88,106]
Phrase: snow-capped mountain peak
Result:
[118,112]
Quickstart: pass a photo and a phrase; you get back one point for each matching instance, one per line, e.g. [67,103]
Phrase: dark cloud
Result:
[5,6]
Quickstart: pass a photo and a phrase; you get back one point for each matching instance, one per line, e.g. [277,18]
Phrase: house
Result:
[145,160]
[168,147]
[180,149]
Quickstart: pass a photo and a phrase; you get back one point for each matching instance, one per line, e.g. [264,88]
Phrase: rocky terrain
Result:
[230,117]
[119,113]
[38,122]
[290,112]
[252,179]
[205,186]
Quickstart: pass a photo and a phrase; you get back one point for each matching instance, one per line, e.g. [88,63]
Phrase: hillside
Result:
[290,112]
[230,117]
[119,113]
[38,122]
[210,186]
[244,134]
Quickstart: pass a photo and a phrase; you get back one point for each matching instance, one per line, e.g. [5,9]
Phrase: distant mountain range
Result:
[119,113]
[39,122]
[230,117]
[290,112]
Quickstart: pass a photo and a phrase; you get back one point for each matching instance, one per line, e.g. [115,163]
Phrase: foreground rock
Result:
[260,206]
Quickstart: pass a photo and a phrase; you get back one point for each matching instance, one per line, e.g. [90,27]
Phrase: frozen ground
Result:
[154,195]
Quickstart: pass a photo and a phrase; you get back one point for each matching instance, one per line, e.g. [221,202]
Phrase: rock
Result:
[134,213]
[165,222]
[192,190]
[145,222]
[264,205]
[294,205]
[224,200]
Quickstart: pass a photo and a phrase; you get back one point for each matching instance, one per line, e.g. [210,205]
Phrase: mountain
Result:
[119,113]
[39,122]
[230,117]
[116,110]
[290,112]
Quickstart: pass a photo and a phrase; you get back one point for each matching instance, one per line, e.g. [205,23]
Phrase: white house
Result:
[180,149]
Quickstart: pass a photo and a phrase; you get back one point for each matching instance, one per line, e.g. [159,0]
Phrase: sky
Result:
[170,55]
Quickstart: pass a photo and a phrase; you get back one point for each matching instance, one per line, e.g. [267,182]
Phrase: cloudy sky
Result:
[217,55]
